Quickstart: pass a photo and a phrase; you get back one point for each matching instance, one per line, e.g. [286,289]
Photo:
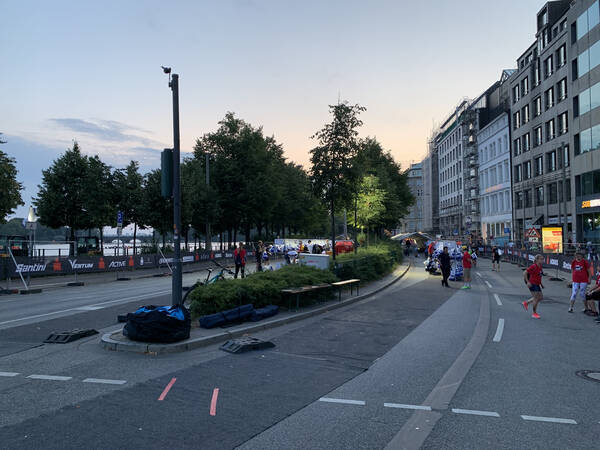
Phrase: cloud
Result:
[106,130]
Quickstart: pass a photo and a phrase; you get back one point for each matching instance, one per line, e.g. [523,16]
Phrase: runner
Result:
[495,259]
[580,270]
[533,280]
[466,263]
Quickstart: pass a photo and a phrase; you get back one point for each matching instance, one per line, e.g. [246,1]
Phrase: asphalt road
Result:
[352,378]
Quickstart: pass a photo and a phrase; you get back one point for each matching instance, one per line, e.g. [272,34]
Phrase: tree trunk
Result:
[332,231]
[229,233]
[101,241]
[186,238]
[134,238]
[72,244]
[247,232]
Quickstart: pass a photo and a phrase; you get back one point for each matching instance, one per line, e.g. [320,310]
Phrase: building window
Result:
[549,98]
[587,20]
[517,119]
[548,67]
[527,198]
[552,194]
[561,87]
[550,130]
[525,86]
[525,114]
[587,60]
[537,136]
[517,147]
[563,123]
[539,166]
[527,170]
[561,55]
[519,200]
[539,196]
[516,96]
[526,142]
[566,156]
[517,173]
[536,73]
[551,158]
[537,106]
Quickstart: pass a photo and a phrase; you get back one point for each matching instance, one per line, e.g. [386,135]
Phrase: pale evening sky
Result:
[90,71]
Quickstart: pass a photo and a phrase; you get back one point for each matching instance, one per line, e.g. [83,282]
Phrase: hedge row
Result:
[370,263]
[260,289]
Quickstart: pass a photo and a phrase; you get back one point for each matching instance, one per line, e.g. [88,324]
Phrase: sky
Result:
[90,71]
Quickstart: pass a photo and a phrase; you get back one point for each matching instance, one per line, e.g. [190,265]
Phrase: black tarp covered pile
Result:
[238,315]
[161,324]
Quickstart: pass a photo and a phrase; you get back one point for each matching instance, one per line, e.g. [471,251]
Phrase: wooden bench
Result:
[341,284]
[302,290]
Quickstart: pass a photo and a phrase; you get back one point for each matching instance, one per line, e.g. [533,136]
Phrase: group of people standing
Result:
[239,258]
[469,259]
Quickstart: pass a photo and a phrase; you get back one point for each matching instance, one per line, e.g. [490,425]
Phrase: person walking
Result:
[445,266]
[581,274]
[239,257]
[467,263]
[258,254]
[533,280]
[496,259]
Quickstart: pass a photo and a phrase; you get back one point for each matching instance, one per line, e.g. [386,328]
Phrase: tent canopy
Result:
[420,238]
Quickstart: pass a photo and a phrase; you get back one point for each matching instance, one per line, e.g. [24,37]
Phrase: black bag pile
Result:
[237,315]
[161,324]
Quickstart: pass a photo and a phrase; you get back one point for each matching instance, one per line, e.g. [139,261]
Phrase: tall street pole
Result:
[208,242]
[176,295]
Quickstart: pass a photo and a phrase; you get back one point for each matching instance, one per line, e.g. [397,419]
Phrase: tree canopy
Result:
[10,193]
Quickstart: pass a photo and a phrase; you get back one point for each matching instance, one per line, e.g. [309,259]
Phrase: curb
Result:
[108,343]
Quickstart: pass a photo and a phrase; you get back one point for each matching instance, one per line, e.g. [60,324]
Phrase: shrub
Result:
[370,263]
[260,289]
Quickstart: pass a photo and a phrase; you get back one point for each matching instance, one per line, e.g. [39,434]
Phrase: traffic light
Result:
[166,173]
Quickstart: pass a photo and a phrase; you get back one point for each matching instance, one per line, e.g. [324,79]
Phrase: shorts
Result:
[535,288]
[581,287]
[496,260]
[467,272]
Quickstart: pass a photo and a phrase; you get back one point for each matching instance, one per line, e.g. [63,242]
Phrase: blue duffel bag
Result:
[239,314]
[212,320]
[263,313]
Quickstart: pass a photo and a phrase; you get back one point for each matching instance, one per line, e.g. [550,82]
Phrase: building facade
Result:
[431,221]
[540,111]
[413,221]
[494,180]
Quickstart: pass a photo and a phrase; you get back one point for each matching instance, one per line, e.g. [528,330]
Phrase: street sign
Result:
[506,230]
[119,218]
[533,233]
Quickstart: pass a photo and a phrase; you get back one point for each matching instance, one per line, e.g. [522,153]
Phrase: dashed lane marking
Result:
[103,381]
[499,330]
[341,400]
[88,308]
[213,402]
[475,412]
[9,374]
[488,284]
[403,406]
[49,377]
[497,300]
[549,419]
[167,389]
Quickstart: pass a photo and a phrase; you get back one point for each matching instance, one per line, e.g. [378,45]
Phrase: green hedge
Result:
[370,263]
[260,289]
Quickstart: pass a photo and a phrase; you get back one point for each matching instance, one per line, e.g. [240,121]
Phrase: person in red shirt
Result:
[533,280]
[467,263]
[581,273]
[239,257]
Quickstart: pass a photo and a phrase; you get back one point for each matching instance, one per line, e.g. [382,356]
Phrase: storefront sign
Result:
[552,239]
[591,203]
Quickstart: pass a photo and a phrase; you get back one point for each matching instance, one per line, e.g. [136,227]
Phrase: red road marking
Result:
[213,402]
[167,389]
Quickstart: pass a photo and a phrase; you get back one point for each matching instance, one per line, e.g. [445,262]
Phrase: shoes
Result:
[535,316]
[525,305]
[465,287]
[571,309]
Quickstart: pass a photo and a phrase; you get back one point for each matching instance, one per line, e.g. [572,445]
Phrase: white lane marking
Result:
[403,406]
[103,381]
[49,377]
[549,419]
[341,400]
[475,412]
[478,274]
[9,374]
[497,299]
[122,300]
[488,284]
[88,308]
[499,330]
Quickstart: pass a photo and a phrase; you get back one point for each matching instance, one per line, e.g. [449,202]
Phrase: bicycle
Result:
[219,276]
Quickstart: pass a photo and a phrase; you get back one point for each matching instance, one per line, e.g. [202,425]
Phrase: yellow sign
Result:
[552,239]
[590,203]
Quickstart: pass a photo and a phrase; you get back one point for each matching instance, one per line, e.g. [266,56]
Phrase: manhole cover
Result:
[591,375]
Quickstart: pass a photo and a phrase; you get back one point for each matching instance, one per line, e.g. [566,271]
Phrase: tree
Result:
[10,194]
[331,160]
[370,202]
[128,189]
[61,199]
[99,195]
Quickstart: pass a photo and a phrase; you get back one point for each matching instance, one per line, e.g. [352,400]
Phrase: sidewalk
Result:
[200,337]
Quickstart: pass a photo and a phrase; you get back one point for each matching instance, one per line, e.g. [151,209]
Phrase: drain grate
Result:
[590,375]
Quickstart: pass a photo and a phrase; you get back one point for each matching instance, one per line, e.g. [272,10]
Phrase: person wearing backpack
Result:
[239,257]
